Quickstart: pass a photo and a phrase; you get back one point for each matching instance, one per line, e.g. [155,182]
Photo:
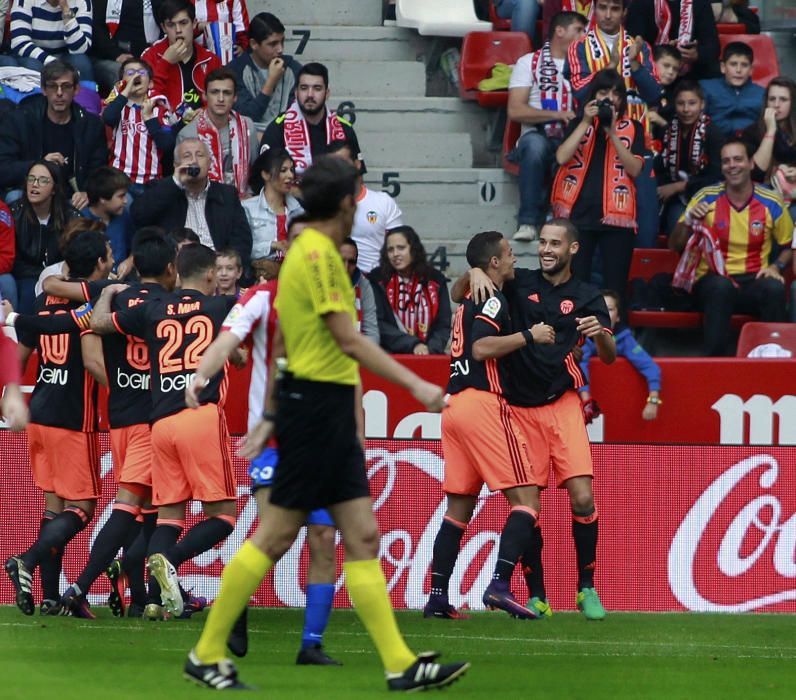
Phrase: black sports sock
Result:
[446,550]
[163,538]
[50,566]
[584,532]
[54,536]
[201,537]
[109,539]
[514,540]
[532,568]
[134,557]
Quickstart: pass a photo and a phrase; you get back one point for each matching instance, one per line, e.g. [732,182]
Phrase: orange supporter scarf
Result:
[619,192]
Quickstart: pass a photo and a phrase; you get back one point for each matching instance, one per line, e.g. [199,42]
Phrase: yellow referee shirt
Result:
[313,282]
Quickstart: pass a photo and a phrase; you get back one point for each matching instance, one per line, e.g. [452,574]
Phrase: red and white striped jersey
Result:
[223,20]
[135,152]
[254,315]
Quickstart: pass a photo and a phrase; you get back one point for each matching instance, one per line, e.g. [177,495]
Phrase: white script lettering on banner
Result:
[775,549]
[420,425]
[760,409]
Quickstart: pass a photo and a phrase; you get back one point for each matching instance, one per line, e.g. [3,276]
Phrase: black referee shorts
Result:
[320,459]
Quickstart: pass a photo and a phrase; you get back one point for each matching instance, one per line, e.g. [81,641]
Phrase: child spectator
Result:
[691,153]
[43,31]
[224,24]
[599,158]
[229,270]
[265,77]
[411,297]
[733,101]
[626,346]
[141,124]
[774,136]
[106,188]
[668,62]
[179,65]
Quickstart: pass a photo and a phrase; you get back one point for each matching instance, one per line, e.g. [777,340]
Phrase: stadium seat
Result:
[753,335]
[645,264]
[766,64]
[510,136]
[439,18]
[730,28]
[498,23]
[480,52]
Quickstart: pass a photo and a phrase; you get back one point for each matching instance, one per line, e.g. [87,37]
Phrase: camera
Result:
[192,171]
[605,113]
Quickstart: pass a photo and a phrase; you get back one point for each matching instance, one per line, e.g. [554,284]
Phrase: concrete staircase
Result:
[419,149]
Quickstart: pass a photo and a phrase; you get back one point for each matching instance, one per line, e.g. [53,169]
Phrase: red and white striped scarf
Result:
[697,157]
[239,147]
[113,13]
[414,302]
[555,91]
[663,20]
[297,135]
[701,243]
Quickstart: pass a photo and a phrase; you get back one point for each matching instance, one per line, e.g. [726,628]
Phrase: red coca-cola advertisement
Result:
[703,528]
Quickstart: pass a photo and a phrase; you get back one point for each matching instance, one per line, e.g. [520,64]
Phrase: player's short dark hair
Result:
[567,225]
[564,19]
[83,251]
[689,86]
[104,182]
[737,48]
[184,234]
[230,253]
[262,25]
[152,251]
[195,259]
[482,248]
[219,74]
[662,50]
[748,146]
[171,8]
[324,186]
[269,161]
[316,69]
[74,227]
[55,69]
[138,61]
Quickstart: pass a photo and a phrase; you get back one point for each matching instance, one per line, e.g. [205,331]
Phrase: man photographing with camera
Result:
[190,199]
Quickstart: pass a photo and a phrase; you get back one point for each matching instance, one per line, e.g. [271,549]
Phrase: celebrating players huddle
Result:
[165,343]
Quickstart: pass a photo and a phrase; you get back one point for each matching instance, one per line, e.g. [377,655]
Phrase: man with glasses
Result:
[55,128]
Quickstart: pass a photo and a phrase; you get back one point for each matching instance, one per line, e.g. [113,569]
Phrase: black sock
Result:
[54,536]
[532,568]
[163,538]
[109,539]
[446,549]
[135,556]
[514,540]
[584,532]
[201,537]
[50,566]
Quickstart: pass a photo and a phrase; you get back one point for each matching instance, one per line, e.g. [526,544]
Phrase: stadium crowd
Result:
[208,139]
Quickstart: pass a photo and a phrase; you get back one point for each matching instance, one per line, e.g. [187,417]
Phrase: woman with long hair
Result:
[594,187]
[40,217]
[273,175]
[774,135]
[414,307]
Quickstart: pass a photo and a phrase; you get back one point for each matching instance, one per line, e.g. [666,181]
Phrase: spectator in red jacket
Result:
[179,64]
[8,287]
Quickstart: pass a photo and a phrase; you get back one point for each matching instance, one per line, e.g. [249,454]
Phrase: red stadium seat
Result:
[510,136]
[500,24]
[645,264]
[730,28]
[766,64]
[756,334]
[480,52]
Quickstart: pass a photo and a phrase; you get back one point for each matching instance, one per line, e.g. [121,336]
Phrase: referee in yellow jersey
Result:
[321,460]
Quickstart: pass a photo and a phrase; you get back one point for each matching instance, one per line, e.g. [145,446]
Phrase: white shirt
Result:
[195,217]
[56,269]
[522,77]
[376,212]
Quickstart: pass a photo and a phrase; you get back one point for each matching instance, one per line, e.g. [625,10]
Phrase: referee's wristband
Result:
[527,335]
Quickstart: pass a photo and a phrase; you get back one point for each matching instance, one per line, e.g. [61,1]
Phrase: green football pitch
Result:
[692,656]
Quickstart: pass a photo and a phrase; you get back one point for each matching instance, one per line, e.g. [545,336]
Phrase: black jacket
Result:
[37,245]
[21,142]
[641,20]
[164,204]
